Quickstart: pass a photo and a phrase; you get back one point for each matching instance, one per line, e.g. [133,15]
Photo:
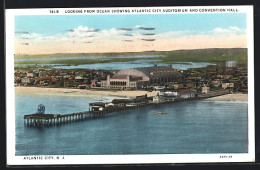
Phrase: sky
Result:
[37,34]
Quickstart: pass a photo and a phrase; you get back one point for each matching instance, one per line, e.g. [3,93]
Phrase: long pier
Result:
[48,120]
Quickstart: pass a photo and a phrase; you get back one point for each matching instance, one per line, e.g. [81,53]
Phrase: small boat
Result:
[161,113]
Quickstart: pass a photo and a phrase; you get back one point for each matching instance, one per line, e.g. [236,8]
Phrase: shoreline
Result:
[230,97]
[125,94]
[81,92]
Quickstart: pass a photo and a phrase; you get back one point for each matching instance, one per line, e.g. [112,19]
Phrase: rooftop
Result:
[161,70]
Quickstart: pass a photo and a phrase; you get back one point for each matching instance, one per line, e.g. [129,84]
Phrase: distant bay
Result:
[124,64]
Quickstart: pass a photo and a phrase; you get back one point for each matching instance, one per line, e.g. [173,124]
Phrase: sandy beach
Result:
[130,94]
[231,97]
[81,92]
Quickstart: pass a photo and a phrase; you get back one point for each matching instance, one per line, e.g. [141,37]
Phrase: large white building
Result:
[138,77]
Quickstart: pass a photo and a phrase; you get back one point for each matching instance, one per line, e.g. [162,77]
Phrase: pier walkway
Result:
[48,120]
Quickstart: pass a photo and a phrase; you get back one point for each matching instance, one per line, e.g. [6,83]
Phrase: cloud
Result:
[83,33]
[228,31]
[80,31]
[81,28]
[109,33]
[232,30]
[28,36]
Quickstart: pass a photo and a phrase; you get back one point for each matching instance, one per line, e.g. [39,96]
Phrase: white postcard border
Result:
[121,159]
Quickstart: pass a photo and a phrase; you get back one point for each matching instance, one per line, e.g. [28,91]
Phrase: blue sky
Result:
[49,33]
[163,23]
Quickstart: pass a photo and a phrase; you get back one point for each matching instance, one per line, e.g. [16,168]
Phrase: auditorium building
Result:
[136,78]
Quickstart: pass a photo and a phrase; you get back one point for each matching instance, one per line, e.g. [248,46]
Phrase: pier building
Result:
[135,78]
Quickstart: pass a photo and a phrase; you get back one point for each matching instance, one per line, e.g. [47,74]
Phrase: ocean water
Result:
[196,127]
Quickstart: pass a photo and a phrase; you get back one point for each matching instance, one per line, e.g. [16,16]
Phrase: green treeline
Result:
[212,55]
